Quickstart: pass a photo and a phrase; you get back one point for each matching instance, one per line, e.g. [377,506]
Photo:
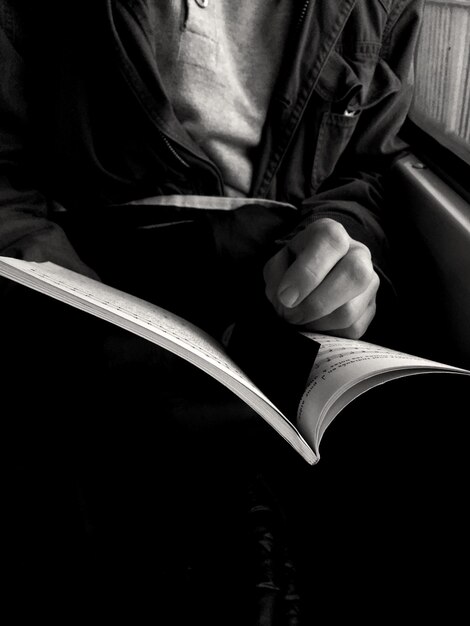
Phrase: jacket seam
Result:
[303,99]
[393,18]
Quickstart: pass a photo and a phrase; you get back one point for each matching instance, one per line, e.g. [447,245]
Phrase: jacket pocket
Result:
[347,87]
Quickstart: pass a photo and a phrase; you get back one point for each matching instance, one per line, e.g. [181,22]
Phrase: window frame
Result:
[444,161]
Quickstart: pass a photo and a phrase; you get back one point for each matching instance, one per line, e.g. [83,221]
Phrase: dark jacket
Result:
[85,123]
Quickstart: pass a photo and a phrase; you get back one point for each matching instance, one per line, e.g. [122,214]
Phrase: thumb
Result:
[274,272]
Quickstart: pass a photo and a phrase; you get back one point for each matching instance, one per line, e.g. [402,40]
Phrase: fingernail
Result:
[289,296]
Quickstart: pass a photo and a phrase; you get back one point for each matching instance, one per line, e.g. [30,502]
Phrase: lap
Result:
[381,520]
[146,462]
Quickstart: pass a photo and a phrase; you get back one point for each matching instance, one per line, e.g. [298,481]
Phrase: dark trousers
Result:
[128,486]
[139,500]
[126,479]
[379,525]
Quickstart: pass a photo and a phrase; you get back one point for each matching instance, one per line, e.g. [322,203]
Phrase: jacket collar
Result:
[312,40]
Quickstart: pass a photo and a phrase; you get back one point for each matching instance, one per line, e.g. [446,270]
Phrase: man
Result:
[207,156]
[324,117]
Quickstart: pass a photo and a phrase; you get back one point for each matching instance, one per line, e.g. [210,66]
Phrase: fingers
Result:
[343,294]
[351,319]
[316,251]
[359,327]
[273,272]
[324,281]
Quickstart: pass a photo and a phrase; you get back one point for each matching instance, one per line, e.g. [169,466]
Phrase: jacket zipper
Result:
[303,13]
[174,153]
[130,78]
[165,139]
[295,32]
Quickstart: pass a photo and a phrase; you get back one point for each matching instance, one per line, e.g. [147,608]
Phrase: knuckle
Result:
[360,268]
[311,274]
[358,245]
[317,308]
[357,329]
[375,282]
[336,234]
[348,315]
[354,332]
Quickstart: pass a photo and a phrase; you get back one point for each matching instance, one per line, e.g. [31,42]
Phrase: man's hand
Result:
[324,281]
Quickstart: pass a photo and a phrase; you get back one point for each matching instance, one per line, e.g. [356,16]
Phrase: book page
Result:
[88,294]
[346,368]
[156,325]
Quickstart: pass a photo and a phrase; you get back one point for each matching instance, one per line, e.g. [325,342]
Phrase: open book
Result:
[340,371]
